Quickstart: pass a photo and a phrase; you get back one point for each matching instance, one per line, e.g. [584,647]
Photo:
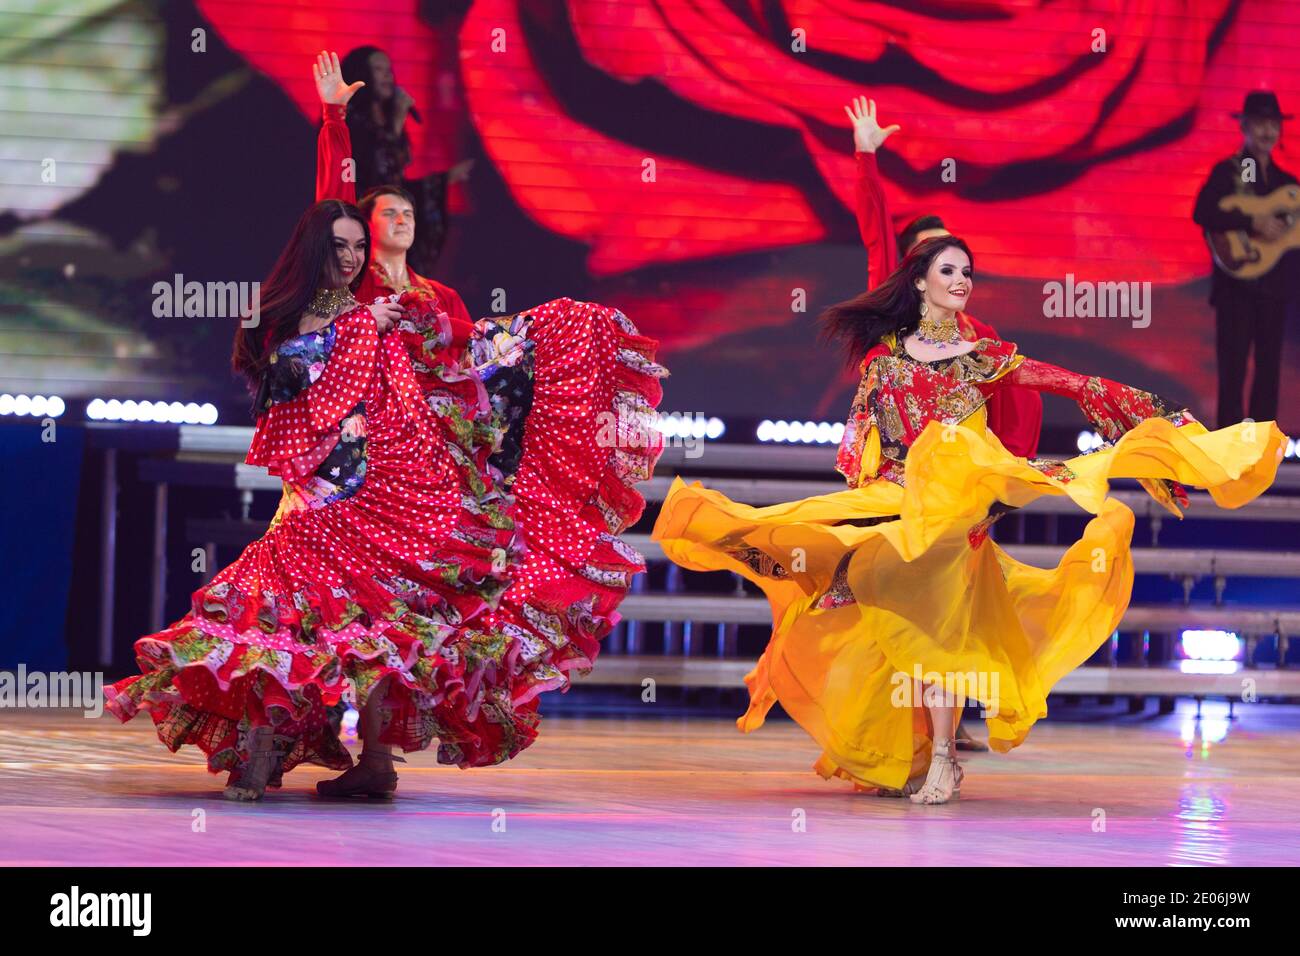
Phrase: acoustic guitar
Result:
[1248,256]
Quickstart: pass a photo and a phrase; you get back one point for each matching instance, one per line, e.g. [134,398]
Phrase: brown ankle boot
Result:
[363,780]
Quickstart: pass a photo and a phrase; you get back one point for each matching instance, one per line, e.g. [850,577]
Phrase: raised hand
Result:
[329,80]
[867,134]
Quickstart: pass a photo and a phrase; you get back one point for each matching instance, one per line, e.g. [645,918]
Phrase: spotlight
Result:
[1087,441]
[1210,645]
[350,718]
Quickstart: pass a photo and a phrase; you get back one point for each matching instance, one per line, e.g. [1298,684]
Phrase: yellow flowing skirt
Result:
[922,592]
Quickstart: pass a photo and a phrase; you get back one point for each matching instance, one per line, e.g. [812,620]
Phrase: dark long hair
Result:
[307,263]
[356,66]
[894,306]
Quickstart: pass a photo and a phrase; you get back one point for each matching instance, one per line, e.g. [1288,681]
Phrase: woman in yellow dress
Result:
[891,606]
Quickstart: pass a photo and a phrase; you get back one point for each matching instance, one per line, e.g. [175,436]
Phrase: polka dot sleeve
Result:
[347,374]
[289,433]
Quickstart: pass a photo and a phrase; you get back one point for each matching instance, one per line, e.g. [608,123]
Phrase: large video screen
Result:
[688,161]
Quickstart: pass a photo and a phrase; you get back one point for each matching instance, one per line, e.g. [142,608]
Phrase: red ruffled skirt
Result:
[474,596]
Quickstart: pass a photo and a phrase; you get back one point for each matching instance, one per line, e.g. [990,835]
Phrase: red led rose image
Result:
[693,147]
[1055,139]
[281,39]
[1073,138]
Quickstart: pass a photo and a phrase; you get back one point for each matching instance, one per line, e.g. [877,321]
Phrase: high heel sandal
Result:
[362,781]
[250,781]
[943,782]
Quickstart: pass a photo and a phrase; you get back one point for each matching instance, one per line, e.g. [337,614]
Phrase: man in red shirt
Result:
[390,209]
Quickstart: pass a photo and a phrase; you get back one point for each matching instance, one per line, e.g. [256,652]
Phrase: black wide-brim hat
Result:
[1262,104]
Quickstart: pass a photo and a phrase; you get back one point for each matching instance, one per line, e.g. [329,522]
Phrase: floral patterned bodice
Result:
[496,351]
[298,362]
[294,366]
[501,352]
[899,396]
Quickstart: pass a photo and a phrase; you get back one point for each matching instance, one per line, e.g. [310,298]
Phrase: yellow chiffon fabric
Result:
[929,597]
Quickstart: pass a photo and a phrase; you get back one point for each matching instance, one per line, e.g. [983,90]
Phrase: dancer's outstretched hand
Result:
[867,134]
[329,80]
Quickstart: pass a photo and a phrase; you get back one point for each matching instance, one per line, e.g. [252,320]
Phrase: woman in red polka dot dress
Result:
[446,546]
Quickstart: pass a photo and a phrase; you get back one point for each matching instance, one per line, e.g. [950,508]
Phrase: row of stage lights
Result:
[827,433]
[37,406]
[830,433]
[111,410]
[672,426]
[690,426]
[174,413]
[1090,440]
[800,433]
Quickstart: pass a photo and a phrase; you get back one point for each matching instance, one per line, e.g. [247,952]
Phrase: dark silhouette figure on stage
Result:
[376,120]
[1248,209]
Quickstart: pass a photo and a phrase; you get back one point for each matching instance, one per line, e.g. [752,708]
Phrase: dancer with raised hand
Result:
[389,208]
[383,148]
[890,603]
[573,387]
[1015,414]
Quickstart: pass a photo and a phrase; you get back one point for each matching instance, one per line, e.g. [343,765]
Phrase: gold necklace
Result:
[328,303]
[937,332]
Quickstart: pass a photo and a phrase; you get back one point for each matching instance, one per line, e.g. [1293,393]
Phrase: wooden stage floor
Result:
[673,791]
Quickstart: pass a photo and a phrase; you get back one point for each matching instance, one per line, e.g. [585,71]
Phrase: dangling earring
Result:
[924,308]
